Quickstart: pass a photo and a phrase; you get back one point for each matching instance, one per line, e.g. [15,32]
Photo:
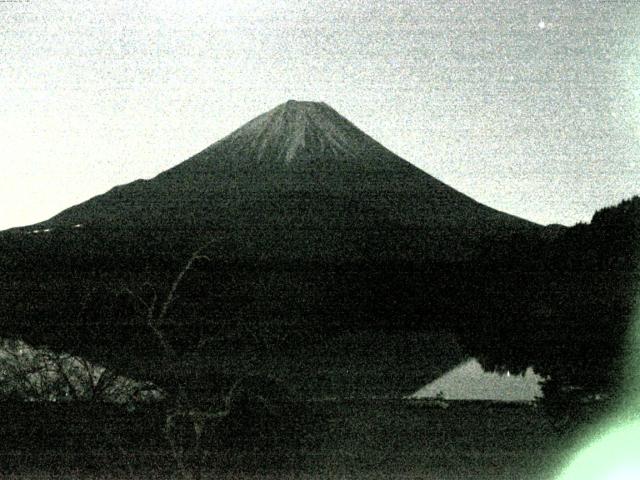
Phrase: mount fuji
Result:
[315,235]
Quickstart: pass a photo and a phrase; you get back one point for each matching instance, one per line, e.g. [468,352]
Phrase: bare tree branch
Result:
[176,283]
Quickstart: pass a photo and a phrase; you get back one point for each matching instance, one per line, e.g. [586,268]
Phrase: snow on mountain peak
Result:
[300,133]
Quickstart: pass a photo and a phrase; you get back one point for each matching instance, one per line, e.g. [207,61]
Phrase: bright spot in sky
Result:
[542,25]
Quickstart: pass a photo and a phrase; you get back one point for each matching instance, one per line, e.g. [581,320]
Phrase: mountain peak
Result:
[303,104]
[305,112]
[304,108]
[298,133]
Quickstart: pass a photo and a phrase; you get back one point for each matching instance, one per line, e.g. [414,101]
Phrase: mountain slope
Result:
[301,181]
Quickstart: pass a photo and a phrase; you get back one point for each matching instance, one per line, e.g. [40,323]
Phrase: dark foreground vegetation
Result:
[339,439]
[563,303]
[560,300]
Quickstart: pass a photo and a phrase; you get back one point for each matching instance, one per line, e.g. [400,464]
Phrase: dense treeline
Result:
[563,303]
[558,299]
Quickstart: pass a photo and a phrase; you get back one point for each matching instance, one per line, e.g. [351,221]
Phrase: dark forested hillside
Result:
[563,303]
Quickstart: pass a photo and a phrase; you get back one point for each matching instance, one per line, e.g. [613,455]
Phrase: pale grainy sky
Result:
[532,107]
